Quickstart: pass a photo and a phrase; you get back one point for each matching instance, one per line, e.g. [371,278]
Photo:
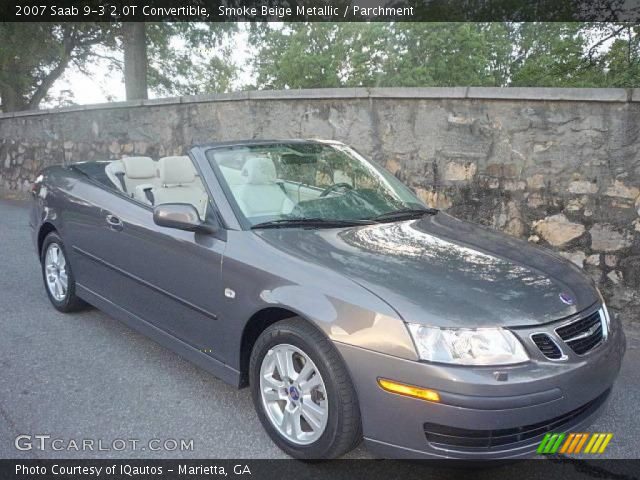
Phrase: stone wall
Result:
[559,167]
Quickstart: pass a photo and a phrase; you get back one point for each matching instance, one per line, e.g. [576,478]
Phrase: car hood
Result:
[446,272]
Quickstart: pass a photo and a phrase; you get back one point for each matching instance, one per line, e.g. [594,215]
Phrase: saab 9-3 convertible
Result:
[351,309]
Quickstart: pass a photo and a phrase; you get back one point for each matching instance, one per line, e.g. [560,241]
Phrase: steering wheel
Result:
[335,186]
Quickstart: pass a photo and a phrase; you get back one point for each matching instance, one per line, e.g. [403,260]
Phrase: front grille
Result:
[441,436]
[547,346]
[584,334]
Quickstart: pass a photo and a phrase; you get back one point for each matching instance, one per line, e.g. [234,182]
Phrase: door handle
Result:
[114,222]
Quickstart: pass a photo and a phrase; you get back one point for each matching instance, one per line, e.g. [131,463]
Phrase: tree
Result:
[176,58]
[310,55]
[34,55]
[134,42]
[552,55]
[167,58]
[447,54]
[621,62]
[304,55]
[187,58]
[301,55]
[190,58]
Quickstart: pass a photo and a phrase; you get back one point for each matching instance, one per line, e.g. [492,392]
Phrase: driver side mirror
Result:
[181,216]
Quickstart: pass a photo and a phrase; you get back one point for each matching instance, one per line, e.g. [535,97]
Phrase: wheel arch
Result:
[45,229]
[258,323]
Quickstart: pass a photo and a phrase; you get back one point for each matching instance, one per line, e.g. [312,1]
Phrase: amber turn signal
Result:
[409,390]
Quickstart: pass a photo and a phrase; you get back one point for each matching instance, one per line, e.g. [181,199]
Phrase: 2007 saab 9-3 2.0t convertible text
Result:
[351,309]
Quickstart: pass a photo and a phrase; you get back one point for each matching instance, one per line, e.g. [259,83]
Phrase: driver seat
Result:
[259,193]
[178,184]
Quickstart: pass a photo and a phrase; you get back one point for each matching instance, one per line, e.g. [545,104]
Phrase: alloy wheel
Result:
[56,273]
[293,394]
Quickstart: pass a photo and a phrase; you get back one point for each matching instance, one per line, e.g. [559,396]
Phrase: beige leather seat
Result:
[140,173]
[259,194]
[178,184]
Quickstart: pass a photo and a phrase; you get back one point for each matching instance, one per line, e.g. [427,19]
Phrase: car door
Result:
[170,278]
[163,276]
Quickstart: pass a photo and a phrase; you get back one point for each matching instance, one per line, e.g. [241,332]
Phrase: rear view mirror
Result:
[181,216]
[291,159]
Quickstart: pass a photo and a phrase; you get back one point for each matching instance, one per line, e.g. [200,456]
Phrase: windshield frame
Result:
[244,222]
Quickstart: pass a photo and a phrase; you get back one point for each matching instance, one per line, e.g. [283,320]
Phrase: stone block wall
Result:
[559,167]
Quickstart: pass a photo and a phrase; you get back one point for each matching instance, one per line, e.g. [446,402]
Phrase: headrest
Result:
[258,171]
[176,170]
[139,167]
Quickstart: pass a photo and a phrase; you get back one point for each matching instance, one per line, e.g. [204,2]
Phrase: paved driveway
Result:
[87,376]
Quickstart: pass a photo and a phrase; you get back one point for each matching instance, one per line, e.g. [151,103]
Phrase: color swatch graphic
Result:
[574,443]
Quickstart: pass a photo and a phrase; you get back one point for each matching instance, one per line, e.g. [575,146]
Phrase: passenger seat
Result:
[140,175]
[178,184]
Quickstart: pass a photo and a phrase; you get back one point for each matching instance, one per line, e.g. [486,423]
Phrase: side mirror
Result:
[182,216]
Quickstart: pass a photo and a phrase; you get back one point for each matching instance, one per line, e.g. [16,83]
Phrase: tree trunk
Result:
[135,60]
[11,100]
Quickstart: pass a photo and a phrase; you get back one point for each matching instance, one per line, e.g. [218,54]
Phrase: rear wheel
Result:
[302,392]
[58,278]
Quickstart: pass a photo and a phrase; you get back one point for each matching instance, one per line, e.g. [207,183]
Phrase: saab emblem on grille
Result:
[566,298]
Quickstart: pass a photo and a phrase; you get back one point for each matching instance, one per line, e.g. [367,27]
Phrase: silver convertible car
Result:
[351,309]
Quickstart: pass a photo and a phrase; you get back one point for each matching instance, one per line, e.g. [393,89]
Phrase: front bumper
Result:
[537,397]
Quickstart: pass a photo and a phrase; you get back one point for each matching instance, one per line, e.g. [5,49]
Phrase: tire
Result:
[340,428]
[63,299]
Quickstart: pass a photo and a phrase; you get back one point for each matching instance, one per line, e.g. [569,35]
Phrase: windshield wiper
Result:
[404,213]
[310,222]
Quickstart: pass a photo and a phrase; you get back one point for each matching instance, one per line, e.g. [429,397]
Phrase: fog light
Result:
[409,390]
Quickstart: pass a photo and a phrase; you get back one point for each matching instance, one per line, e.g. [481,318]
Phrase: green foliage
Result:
[189,58]
[552,55]
[34,55]
[193,58]
[301,55]
[310,55]
[622,62]
[442,54]
[183,58]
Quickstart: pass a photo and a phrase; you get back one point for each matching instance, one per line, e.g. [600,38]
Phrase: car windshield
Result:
[311,181]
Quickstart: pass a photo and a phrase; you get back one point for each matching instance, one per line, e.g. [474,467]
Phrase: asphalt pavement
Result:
[86,377]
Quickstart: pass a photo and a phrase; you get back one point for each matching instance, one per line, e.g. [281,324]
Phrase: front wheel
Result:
[302,392]
[58,277]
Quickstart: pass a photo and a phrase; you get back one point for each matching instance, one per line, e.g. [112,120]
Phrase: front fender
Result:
[258,277]
[345,322]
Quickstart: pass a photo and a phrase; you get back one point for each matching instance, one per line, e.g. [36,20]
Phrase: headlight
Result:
[604,314]
[607,320]
[482,346]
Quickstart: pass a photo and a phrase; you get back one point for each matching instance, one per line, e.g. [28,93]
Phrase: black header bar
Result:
[556,467]
[320,10]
